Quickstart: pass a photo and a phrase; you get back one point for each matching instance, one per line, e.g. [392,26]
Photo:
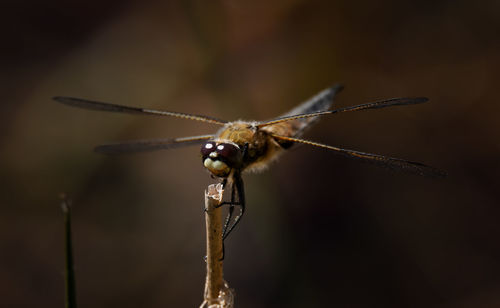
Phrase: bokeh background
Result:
[320,230]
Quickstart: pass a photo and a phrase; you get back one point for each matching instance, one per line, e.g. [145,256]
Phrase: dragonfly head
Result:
[221,157]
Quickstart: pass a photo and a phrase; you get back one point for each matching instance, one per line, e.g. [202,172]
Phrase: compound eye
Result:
[230,152]
[207,148]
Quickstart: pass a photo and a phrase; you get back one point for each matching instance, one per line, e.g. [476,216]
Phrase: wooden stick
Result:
[217,292]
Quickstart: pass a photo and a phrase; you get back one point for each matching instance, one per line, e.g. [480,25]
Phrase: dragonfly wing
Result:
[320,102]
[93,105]
[384,161]
[138,146]
[373,105]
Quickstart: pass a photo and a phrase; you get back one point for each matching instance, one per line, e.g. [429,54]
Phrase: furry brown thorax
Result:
[239,145]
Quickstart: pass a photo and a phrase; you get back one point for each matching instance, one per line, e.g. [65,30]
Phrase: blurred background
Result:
[320,230]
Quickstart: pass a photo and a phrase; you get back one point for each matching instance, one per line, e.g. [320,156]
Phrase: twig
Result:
[217,292]
[69,272]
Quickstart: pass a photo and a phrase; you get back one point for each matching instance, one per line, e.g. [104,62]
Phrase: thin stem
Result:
[69,272]
[217,292]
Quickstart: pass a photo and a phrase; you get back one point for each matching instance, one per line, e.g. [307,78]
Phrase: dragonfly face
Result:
[245,146]
[221,158]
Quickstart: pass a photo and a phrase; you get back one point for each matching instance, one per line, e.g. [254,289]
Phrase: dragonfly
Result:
[246,146]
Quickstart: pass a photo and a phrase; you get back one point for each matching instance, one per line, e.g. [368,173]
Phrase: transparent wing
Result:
[373,105]
[319,102]
[92,105]
[138,146]
[390,162]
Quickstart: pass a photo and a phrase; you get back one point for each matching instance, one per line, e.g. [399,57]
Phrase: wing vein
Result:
[384,161]
[373,105]
[138,146]
[93,105]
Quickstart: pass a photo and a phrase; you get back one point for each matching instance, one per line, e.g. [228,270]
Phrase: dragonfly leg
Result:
[228,217]
[237,188]
[230,209]
[238,184]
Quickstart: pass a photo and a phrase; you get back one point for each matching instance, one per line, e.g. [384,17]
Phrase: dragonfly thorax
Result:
[220,158]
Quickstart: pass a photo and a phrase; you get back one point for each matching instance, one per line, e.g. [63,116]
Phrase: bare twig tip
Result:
[215,191]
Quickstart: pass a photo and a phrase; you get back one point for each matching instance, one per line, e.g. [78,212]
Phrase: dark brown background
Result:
[320,230]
